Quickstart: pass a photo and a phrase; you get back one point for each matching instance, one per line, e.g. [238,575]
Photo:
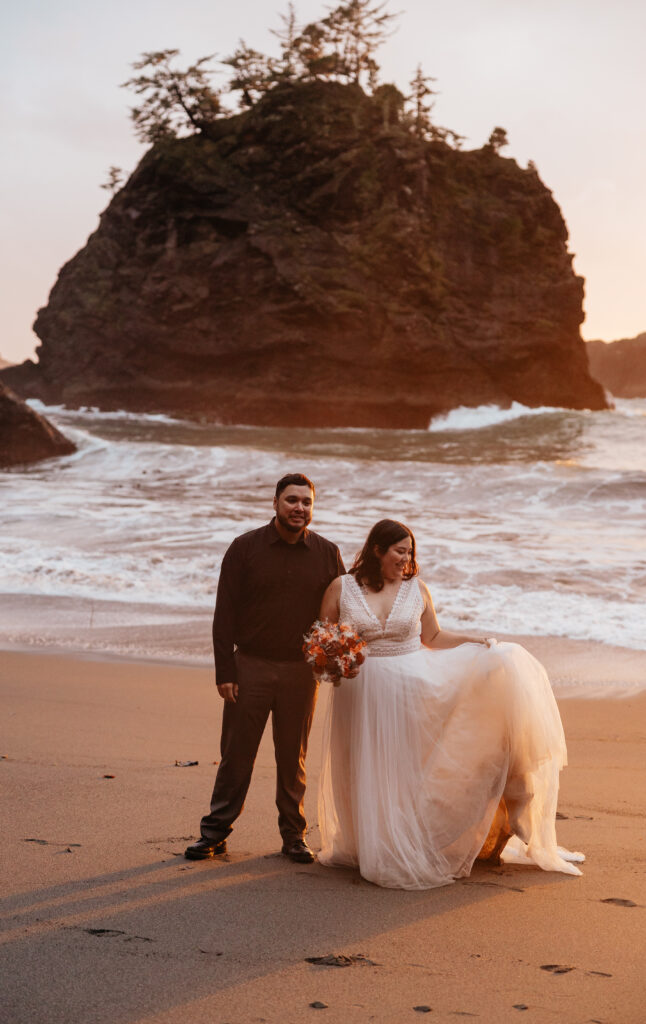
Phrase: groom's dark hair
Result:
[294,478]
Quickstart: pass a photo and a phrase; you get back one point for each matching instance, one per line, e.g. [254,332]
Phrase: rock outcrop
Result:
[620,365]
[312,262]
[25,435]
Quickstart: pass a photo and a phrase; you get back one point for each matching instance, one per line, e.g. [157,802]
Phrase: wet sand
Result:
[104,922]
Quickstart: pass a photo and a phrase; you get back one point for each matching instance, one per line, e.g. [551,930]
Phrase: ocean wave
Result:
[475,418]
[630,407]
[90,412]
[531,526]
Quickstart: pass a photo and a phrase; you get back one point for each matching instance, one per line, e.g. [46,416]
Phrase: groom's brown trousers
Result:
[288,690]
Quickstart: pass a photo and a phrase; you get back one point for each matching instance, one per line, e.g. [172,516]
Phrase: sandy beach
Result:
[104,922]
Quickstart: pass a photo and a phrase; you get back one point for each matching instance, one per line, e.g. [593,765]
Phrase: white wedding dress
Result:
[433,757]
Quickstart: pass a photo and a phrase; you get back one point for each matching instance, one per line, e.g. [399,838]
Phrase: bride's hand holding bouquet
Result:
[334,650]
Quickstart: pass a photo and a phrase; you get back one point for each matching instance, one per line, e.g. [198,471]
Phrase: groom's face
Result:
[293,507]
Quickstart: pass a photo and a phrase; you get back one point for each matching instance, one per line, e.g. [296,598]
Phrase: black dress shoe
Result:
[299,851]
[205,848]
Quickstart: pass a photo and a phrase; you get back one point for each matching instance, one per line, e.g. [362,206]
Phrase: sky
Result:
[565,78]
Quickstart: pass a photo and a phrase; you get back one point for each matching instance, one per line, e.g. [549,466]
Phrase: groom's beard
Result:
[294,526]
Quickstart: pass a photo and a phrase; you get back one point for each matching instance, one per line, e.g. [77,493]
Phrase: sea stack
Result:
[620,365]
[312,262]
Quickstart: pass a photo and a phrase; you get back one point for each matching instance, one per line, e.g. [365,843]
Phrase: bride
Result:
[443,748]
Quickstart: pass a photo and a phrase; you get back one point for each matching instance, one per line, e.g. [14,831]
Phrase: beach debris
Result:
[520,1006]
[557,968]
[186,764]
[561,817]
[601,974]
[422,1009]
[108,776]
[49,842]
[102,932]
[170,839]
[318,1005]
[340,960]
[583,817]
[618,902]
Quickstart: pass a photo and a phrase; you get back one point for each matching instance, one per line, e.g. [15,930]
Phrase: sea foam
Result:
[475,418]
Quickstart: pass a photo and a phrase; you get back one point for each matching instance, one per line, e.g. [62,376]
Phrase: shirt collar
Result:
[274,536]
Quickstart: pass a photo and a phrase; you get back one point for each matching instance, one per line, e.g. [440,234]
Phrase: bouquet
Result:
[334,650]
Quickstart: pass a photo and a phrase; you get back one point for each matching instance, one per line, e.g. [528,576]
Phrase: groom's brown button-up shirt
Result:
[269,594]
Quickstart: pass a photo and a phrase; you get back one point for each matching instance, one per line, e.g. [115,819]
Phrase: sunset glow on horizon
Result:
[565,80]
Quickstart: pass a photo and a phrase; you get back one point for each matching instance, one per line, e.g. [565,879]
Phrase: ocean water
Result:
[528,521]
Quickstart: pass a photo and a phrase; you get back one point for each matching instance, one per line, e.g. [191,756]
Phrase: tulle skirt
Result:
[434,757]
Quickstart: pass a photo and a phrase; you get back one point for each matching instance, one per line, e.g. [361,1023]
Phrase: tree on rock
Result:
[253,73]
[355,30]
[419,97]
[115,180]
[289,66]
[172,101]
[390,101]
[418,116]
[313,56]
[497,139]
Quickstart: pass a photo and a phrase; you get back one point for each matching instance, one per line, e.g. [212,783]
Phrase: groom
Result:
[270,589]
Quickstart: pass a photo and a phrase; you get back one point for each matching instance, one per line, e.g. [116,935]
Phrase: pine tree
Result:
[355,30]
[253,73]
[313,57]
[287,37]
[421,90]
[497,139]
[173,101]
[115,180]
[391,103]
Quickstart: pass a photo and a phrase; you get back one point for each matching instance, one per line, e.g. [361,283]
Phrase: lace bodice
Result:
[401,634]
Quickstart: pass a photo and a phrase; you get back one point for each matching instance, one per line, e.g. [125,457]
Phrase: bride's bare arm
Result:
[441,639]
[330,603]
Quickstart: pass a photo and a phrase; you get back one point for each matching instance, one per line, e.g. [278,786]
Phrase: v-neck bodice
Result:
[401,632]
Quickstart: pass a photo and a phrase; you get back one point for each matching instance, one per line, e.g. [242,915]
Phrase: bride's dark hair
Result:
[385,533]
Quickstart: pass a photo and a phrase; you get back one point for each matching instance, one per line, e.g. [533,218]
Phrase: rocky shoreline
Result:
[25,435]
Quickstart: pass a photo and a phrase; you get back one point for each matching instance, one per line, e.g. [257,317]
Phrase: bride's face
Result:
[395,560]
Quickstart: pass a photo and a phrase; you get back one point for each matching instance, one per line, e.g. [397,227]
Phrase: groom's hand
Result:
[228,691]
